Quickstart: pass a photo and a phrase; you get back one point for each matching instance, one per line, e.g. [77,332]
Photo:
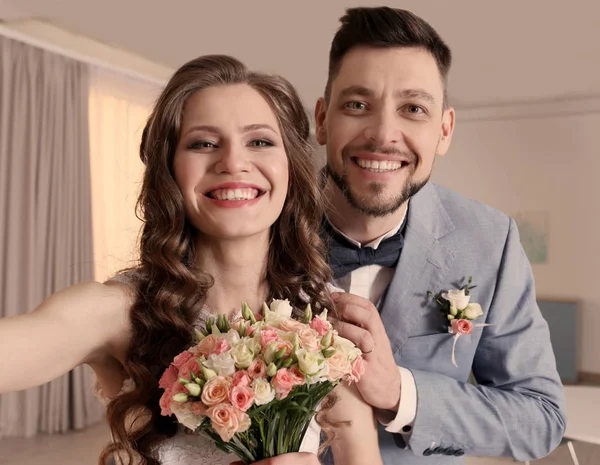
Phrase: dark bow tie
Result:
[345,257]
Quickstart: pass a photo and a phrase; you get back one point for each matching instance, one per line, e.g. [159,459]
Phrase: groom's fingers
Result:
[362,338]
[359,311]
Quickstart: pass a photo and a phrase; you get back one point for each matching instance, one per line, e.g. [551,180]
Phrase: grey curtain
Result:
[45,217]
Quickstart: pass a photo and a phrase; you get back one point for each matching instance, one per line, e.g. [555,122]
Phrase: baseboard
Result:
[589,378]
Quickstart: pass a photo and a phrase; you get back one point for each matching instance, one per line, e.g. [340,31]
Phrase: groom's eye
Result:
[355,105]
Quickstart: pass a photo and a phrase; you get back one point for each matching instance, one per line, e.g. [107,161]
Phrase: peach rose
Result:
[339,366]
[283,382]
[207,345]
[292,326]
[242,397]
[225,420]
[216,390]
[461,326]
[309,340]
[244,421]
[182,358]
[168,377]
[285,345]
[241,378]
[257,369]
[320,325]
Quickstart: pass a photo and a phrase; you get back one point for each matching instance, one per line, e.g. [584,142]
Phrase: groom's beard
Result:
[358,200]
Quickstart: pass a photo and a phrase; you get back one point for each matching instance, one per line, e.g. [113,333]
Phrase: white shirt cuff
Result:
[407,410]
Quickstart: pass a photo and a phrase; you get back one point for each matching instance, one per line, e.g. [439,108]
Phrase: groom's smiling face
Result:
[383,123]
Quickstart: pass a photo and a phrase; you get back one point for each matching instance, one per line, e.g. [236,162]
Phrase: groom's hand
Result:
[360,322]
[296,458]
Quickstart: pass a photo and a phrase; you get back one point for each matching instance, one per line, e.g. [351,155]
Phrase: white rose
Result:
[263,392]
[280,310]
[457,298]
[310,363]
[345,346]
[232,337]
[473,311]
[186,416]
[223,364]
[242,355]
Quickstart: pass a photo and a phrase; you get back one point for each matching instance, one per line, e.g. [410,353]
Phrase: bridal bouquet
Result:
[253,386]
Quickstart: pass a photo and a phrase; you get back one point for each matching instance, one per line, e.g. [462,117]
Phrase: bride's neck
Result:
[238,267]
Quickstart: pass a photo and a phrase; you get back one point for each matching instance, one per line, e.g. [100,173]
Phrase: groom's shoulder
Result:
[471,213]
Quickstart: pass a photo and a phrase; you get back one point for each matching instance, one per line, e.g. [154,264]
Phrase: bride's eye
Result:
[201,144]
[261,143]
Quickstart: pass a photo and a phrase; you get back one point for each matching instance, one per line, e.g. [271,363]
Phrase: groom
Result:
[394,236]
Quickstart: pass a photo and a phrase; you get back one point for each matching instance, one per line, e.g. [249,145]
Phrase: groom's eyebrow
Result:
[361,91]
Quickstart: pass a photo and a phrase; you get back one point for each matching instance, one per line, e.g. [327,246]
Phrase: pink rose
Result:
[283,382]
[309,339]
[297,376]
[165,403]
[222,346]
[339,366]
[216,390]
[225,420]
[241,378]
[188,368]
[358,369]
[168,377]
[257,369]
[198,408]
[182,358]
[462,326]
[207,345]
[242,397]
[320,325]
[167,397]
[267,336]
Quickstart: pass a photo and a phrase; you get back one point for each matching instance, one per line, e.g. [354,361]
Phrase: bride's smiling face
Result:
[230,164]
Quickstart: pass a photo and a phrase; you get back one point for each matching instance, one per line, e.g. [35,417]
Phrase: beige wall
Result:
[541,157]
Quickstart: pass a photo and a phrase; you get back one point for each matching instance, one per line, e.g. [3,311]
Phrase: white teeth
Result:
[234,194]
[378,166]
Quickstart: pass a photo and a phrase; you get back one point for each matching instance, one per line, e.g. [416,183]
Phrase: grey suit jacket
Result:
[516,409]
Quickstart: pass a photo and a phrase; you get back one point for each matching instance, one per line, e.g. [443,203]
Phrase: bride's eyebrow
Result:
[247,128]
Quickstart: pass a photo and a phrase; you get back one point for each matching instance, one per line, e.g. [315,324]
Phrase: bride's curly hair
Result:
[169,288]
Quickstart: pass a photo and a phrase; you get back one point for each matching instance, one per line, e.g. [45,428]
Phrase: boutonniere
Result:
[457,307]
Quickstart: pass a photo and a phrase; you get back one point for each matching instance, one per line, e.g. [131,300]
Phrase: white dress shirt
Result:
[371,282]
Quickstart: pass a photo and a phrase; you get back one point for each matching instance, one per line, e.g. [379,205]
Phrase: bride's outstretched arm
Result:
[356,443]
[72,327]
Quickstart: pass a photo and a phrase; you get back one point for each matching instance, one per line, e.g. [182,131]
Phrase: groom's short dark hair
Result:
[385,27]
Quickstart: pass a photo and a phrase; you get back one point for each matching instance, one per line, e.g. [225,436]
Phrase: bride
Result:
[231,211]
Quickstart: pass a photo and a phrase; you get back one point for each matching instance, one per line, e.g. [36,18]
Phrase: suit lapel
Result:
[424,262]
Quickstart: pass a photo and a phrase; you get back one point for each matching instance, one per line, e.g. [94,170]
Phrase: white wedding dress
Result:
[192,449]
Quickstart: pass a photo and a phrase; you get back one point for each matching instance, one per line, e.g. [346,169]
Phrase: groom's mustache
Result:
[408,155]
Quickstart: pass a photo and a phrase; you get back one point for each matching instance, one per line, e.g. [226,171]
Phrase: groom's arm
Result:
[517,409]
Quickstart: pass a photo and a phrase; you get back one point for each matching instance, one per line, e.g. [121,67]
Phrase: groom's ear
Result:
[320,116]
